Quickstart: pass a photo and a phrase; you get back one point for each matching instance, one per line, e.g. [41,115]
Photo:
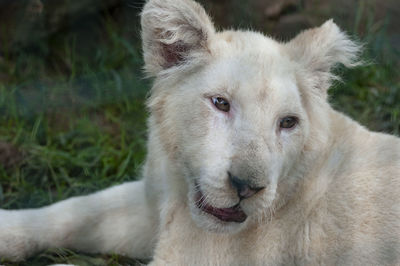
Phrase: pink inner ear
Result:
[174,53]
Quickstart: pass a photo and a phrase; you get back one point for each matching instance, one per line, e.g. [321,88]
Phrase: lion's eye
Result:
[221,104]
[288,122]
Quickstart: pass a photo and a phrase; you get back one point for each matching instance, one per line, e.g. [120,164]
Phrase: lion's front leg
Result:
[19,240]
[116,220]
[182,242]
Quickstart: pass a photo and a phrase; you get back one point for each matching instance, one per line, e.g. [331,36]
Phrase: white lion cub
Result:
[247,163]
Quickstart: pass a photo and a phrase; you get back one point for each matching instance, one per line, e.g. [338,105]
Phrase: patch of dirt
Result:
[283,19]
[106,124]
[10,156]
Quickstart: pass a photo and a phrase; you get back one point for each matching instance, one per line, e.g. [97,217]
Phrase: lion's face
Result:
[240,128]
[234,111]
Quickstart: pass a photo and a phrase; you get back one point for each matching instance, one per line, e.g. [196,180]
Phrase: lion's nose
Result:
[244,188]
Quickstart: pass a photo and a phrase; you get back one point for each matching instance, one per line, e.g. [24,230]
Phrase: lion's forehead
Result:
[251,82]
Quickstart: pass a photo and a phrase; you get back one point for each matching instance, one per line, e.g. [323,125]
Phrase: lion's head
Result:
[238,113]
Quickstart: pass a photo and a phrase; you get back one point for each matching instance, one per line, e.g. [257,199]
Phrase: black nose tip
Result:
[244,189]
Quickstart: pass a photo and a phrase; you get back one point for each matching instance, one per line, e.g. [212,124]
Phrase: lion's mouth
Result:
[232,214]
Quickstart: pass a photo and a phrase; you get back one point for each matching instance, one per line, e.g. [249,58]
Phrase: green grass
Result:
[370,94]
[73,122]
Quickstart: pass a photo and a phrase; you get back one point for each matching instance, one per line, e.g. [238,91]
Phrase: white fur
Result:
[332,187]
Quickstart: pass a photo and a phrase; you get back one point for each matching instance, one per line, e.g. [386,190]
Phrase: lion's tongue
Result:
[232,214]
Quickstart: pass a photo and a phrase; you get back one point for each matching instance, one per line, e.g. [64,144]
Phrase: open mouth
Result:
[232,214]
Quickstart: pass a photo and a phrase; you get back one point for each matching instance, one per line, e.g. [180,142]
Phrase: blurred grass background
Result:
[72,114]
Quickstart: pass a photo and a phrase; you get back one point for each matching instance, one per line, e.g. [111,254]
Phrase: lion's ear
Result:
[320,49]
[175,33]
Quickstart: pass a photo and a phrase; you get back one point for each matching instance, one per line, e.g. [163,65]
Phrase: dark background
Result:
[72,91]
